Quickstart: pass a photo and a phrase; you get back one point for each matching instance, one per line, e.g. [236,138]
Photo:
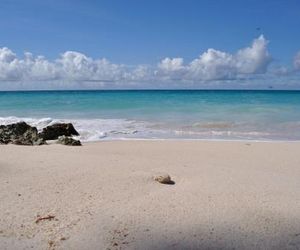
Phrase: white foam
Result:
[122,129]
[89,129]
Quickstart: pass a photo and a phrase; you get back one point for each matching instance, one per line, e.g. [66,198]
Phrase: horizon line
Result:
[165,89]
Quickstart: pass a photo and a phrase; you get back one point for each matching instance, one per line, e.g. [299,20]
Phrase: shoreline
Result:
[96,129]
[189,139]
[226,195]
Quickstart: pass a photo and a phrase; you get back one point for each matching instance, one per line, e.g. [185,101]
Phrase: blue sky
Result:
[135,33]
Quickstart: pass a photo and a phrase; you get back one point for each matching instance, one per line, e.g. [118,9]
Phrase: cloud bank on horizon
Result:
[75,70]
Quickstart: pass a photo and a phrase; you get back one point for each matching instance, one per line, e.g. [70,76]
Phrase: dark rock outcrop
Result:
[68,141]
[20,133]
[23,134]
[56,130]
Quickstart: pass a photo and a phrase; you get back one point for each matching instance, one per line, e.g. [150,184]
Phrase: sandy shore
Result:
[227,195]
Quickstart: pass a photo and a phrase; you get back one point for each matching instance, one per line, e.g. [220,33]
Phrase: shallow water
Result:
[163,114]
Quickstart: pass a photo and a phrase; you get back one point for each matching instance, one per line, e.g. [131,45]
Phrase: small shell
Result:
[164,179]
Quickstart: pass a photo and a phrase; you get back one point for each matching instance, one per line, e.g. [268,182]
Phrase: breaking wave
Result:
[89,129]
[119,129]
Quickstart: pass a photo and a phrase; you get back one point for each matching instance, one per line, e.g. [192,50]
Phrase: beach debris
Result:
[20,134]
[56,130]
[65,140]
[48,217]
[164,179]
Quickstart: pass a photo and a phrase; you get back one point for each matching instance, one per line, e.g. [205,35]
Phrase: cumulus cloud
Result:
[28,68]
[254,59]
[77,66]
[73,66]
[69,66]
[212,65]
[218,65]
[168,64]
[8,67]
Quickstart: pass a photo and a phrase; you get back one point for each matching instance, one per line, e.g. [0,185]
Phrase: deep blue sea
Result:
[161,114]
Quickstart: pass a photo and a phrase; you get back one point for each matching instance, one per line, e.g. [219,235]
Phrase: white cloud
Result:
[28,68]
[69,66]
[8,60]
[76,66]
[6,55]
[255,59]
[75,69]
[37,68]
[217,65]
[168,64]
[212,65]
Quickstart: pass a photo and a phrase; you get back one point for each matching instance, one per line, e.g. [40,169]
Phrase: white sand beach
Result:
[227,195]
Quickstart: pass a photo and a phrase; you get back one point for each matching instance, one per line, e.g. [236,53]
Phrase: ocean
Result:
[160,114]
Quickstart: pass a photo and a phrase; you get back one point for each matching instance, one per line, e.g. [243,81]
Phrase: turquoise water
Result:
[192,114]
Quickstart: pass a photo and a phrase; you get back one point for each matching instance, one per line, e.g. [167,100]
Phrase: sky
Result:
[116,44]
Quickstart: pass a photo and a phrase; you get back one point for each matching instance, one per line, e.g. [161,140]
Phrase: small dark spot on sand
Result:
[51,243]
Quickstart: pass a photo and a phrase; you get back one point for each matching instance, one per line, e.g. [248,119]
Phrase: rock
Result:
[68,141]
[20,133]
[39,141]
[56,130]
[164,179]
